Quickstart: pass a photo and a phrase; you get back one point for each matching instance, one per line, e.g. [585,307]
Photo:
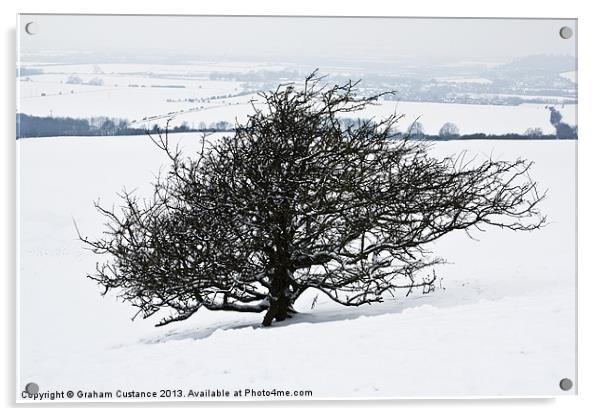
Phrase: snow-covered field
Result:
[146,92]
[503,323]
[571,75]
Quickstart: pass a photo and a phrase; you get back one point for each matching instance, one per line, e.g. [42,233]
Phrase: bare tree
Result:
[292,201]
[534,133]
[448,131]
[563,130]
[415,130]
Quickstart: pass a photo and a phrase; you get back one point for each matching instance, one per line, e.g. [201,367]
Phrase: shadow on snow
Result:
[328,312]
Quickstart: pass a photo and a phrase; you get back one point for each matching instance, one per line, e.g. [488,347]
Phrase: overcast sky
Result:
[298,39]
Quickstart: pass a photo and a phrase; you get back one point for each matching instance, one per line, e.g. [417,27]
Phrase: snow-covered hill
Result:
[503,321]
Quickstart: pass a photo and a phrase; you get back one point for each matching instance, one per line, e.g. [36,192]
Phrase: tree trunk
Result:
[278,310]
[280,300]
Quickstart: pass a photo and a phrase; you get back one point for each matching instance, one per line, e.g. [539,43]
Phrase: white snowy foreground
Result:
[503,322]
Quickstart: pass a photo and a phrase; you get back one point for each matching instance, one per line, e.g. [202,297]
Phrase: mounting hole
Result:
[32,388]
[566,384]
[31,28]
[566,32]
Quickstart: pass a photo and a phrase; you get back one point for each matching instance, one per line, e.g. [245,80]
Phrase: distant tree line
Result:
[450,131]
[33,126]
[74,79]
[256,76]
[25,71]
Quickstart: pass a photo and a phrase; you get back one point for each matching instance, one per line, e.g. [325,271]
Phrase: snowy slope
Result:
[503,323]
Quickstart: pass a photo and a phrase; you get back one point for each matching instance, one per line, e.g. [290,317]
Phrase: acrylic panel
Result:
[295,208]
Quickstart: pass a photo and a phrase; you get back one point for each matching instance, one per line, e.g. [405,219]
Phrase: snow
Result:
[471,118]
[502,324]
[464,80]
[570,75]
[128,92]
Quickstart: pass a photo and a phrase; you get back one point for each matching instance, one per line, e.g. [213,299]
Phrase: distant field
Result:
[150,94]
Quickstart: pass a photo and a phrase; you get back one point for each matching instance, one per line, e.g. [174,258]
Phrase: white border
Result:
[589,199]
